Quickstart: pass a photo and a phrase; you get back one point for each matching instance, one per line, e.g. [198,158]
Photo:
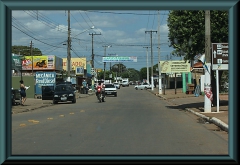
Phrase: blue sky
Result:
[123,30]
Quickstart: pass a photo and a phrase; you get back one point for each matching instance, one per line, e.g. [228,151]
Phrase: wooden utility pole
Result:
[147,65]
[92,48]
[31,44]
[68,48]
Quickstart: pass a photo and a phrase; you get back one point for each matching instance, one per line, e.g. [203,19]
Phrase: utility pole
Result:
[159,68]
[207,85]
[31,44]
[151,56]
[92,48]
[105,47]
[68,49]
[147,65]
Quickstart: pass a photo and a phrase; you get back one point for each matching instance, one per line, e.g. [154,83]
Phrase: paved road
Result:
[135,122]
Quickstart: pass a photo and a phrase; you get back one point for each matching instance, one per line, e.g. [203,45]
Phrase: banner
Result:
[44,79]
[119,59]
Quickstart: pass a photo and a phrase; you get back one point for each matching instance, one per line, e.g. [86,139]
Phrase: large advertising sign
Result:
[49,62]
[44,79]
[174,66]
[76,62]
[220,56]
[119,59]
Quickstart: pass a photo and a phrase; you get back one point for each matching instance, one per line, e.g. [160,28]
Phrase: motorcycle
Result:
[100,96]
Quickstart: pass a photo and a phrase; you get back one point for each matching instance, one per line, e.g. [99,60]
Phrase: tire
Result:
[55,102]
[145,88]
[74,100]
[115,95]
[136,88]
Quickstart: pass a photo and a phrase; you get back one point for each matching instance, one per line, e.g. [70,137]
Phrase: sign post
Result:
[219,62]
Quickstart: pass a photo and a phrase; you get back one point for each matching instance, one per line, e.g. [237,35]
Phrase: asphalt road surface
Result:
[134,123]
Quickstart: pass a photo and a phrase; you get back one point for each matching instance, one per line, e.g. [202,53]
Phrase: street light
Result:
[105,46]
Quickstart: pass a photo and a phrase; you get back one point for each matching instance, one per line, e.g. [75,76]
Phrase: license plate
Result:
[108,92]
[63,98]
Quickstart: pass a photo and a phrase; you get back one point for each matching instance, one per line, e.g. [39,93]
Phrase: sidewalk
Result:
[195,105]
[32,104]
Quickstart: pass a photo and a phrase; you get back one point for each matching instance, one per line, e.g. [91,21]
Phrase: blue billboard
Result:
[44,79]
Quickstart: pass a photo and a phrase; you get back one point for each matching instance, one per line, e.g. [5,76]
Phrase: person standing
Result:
[22,92]
[84,84]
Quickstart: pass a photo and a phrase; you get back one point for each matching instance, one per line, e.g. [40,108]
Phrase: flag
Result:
[203,60]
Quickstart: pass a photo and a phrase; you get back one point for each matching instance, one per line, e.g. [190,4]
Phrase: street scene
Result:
[120,83]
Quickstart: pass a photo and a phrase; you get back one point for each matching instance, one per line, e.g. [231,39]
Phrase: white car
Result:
[143,86]
[117,85]
[110,89]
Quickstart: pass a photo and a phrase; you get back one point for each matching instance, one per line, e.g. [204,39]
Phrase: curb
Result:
[213,120]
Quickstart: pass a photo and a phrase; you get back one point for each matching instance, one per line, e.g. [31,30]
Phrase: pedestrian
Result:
[22,92]
[84,84]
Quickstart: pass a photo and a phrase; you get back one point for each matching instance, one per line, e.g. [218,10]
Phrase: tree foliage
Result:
[187,31]
[26,50]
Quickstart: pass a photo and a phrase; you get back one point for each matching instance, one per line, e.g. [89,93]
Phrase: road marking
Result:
[61,115]
[35,121]
[30,120]
[22,125]
[50,118]
[71,113]
[82,111]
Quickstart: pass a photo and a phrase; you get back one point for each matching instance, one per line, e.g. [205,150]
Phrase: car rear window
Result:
[63,88]
[109,86]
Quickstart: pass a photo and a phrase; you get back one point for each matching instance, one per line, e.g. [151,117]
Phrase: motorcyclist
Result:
[101,86]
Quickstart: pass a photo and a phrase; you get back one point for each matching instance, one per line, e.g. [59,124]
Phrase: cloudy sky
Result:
[126,31]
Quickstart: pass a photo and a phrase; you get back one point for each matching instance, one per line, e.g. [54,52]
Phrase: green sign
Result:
[17,62]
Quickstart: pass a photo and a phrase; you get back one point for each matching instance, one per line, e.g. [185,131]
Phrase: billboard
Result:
[49,62]
[16,63]
[174,66]
[119,59]
[44,79]
[75,62]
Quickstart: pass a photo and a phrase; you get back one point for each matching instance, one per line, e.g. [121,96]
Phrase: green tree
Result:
[25,50]
[187,34]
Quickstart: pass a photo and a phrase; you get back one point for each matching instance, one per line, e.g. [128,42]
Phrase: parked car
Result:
[110,89]
[143,86]
[117,85]
[64,93]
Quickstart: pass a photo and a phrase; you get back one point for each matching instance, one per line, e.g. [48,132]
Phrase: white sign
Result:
[119,59]
[79,70]
[174,66]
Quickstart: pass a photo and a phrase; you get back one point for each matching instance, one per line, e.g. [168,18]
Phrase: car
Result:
[110,89]
[143,86]
[117,85]
[64,93]
[125,84]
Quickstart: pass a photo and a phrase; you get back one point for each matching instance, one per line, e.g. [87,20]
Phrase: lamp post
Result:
[105,47]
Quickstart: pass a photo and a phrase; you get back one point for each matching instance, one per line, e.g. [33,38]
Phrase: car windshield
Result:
[109,86]
[63,88]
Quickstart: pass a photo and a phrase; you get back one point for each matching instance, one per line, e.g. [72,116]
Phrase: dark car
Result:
[64,93]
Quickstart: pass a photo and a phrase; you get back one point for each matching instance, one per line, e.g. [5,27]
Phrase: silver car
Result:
[143,86]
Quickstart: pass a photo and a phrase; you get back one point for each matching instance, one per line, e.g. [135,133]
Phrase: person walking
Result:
[22,92]
[84,84]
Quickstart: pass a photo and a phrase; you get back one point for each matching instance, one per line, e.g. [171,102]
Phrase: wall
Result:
[28,81]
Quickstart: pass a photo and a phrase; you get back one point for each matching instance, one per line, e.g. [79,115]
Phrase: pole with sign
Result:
[219,62]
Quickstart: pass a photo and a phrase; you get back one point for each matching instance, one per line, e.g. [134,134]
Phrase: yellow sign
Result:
[75,62]
[174,66]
